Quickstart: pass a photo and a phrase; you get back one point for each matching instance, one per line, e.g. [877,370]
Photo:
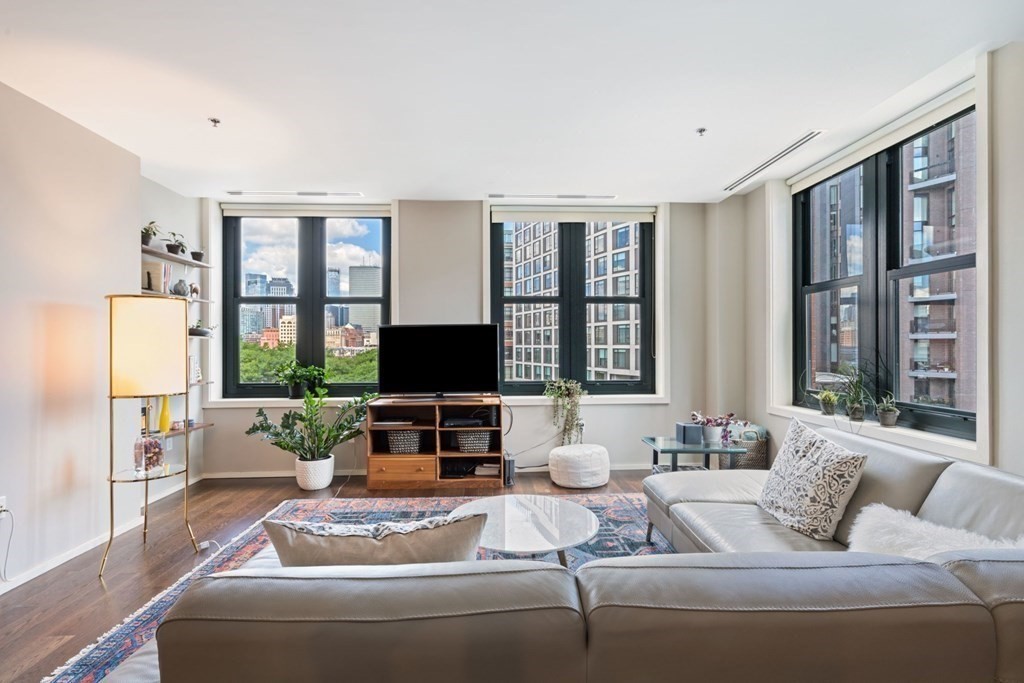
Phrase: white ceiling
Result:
[454,99]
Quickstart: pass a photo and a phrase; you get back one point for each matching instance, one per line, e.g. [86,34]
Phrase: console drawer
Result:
[397,467]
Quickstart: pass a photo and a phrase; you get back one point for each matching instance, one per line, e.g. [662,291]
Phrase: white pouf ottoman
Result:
[579,466]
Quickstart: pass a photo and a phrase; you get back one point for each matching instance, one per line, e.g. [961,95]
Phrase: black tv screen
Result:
[438,359]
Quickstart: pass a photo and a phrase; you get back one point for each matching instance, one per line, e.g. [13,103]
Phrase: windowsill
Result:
[514,401]
[940,444]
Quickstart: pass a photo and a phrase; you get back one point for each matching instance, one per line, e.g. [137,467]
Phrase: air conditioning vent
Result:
[551,196]
[739,182]
[290,193]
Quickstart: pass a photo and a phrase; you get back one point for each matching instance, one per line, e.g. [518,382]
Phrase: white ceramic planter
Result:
[313,475]
[713,436]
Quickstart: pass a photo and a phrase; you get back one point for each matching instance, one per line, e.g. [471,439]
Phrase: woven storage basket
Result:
[473,442]
[404,440]
[756,457]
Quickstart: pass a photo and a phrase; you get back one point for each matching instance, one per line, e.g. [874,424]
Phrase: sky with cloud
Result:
[270,246]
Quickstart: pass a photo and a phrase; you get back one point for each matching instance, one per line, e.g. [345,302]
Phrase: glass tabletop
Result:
[530,524]
[668,444]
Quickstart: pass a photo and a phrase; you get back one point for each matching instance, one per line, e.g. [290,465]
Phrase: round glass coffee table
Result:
[532,525]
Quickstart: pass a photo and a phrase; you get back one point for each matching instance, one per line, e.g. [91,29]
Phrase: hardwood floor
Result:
[49,619]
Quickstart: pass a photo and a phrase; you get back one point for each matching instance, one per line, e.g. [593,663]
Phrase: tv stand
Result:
[446,457]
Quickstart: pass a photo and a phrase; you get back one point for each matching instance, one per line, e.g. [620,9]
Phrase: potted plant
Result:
[298,377]
[176,244]
[149,231]
[197,329]
[887,410]
[310,437]
[714,426]
[197,254]
[828,400]
[566,394]
[854,393]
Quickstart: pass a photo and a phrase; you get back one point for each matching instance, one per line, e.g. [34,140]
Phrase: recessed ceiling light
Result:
[552,196]
[290,193]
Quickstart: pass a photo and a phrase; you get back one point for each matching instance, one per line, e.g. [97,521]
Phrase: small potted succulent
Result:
[854,393]
[299,378]
[715,426]
[828,400]
[197,255]
[198,329]
[149,231]
[311,437]
[176,243]
[887,410]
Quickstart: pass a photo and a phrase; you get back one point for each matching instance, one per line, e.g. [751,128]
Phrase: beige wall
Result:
[449,236]
[725,325]
[1006,111]
[69,236]
[175,213]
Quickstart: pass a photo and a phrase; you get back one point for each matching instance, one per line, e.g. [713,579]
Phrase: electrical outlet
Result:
[3,502]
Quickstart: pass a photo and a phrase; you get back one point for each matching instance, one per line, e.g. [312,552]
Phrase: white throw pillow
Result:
[436,539]
[881,529]
[811,482]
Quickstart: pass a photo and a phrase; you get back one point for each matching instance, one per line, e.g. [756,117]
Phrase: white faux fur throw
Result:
[880,529]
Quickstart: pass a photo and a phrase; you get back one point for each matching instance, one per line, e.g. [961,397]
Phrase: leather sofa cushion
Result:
[515,620]
[997,577]
[897,476]
[782,617]
[714,486]
[738,528]
[981,499]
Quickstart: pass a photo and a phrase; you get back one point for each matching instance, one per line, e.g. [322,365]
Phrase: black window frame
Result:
[878,289]
[310,300]
[572,303]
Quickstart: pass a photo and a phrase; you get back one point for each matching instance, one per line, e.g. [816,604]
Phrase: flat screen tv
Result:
[438,359]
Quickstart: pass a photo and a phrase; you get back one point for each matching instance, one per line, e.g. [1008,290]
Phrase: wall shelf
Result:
[198,427]
[165,255]
[150,292]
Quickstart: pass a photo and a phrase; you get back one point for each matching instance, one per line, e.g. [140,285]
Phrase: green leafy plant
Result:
[294,372]
[151,229]
[566,394]
[307,434]
[827,397]
[175,238]
[887,404]
[852,387]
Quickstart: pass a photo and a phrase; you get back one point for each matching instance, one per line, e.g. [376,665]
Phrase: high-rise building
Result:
[250,319]
[365,281]
[272,313]
[334,282]
[255,284]
[287,331]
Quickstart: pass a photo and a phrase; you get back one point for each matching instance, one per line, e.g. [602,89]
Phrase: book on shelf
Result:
[156,277]
[395,422]
[487,470]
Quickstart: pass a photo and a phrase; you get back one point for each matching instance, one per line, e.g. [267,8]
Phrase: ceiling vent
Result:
[290,193]
[552,196]
[797,144]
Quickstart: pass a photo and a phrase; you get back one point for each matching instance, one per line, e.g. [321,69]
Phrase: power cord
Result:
[10,537]
[348,476]
[511,420]
[206,544]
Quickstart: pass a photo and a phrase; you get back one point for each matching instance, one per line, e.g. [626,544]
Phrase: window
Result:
[886,279]
[576,307]
[312,289]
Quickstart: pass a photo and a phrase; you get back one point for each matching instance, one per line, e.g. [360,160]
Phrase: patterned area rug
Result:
[623,524]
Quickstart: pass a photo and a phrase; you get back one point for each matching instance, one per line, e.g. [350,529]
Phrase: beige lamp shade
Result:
[148,345]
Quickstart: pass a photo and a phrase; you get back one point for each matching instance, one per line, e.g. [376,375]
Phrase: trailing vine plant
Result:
[566,394]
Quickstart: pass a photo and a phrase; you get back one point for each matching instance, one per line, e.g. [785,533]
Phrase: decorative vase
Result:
[855,412]
[165,414]
[313,475]
[887,418]
[180,288]
[713,436]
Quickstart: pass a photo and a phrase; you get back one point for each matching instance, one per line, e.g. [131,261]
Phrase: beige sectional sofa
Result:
[766,615]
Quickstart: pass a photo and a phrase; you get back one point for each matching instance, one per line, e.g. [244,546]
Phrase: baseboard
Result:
[55,562]
[270,473]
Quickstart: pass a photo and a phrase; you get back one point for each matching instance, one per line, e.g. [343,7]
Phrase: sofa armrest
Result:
[997,577]
[807,616]
[425,622]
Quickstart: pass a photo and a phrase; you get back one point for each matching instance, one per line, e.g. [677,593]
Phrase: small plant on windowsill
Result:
[854,392]
[887,410]
[149,231]
[566,394]
[828,400]
[299,378]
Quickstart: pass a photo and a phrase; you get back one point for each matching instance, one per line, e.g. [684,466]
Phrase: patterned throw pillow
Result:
[811,482]
[437,539]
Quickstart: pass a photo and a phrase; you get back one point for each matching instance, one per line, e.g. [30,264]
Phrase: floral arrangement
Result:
[714,420]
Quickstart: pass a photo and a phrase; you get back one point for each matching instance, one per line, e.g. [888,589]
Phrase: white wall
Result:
[1006,111]
[175,213]
[440,256]
[725,326]
[69,236]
